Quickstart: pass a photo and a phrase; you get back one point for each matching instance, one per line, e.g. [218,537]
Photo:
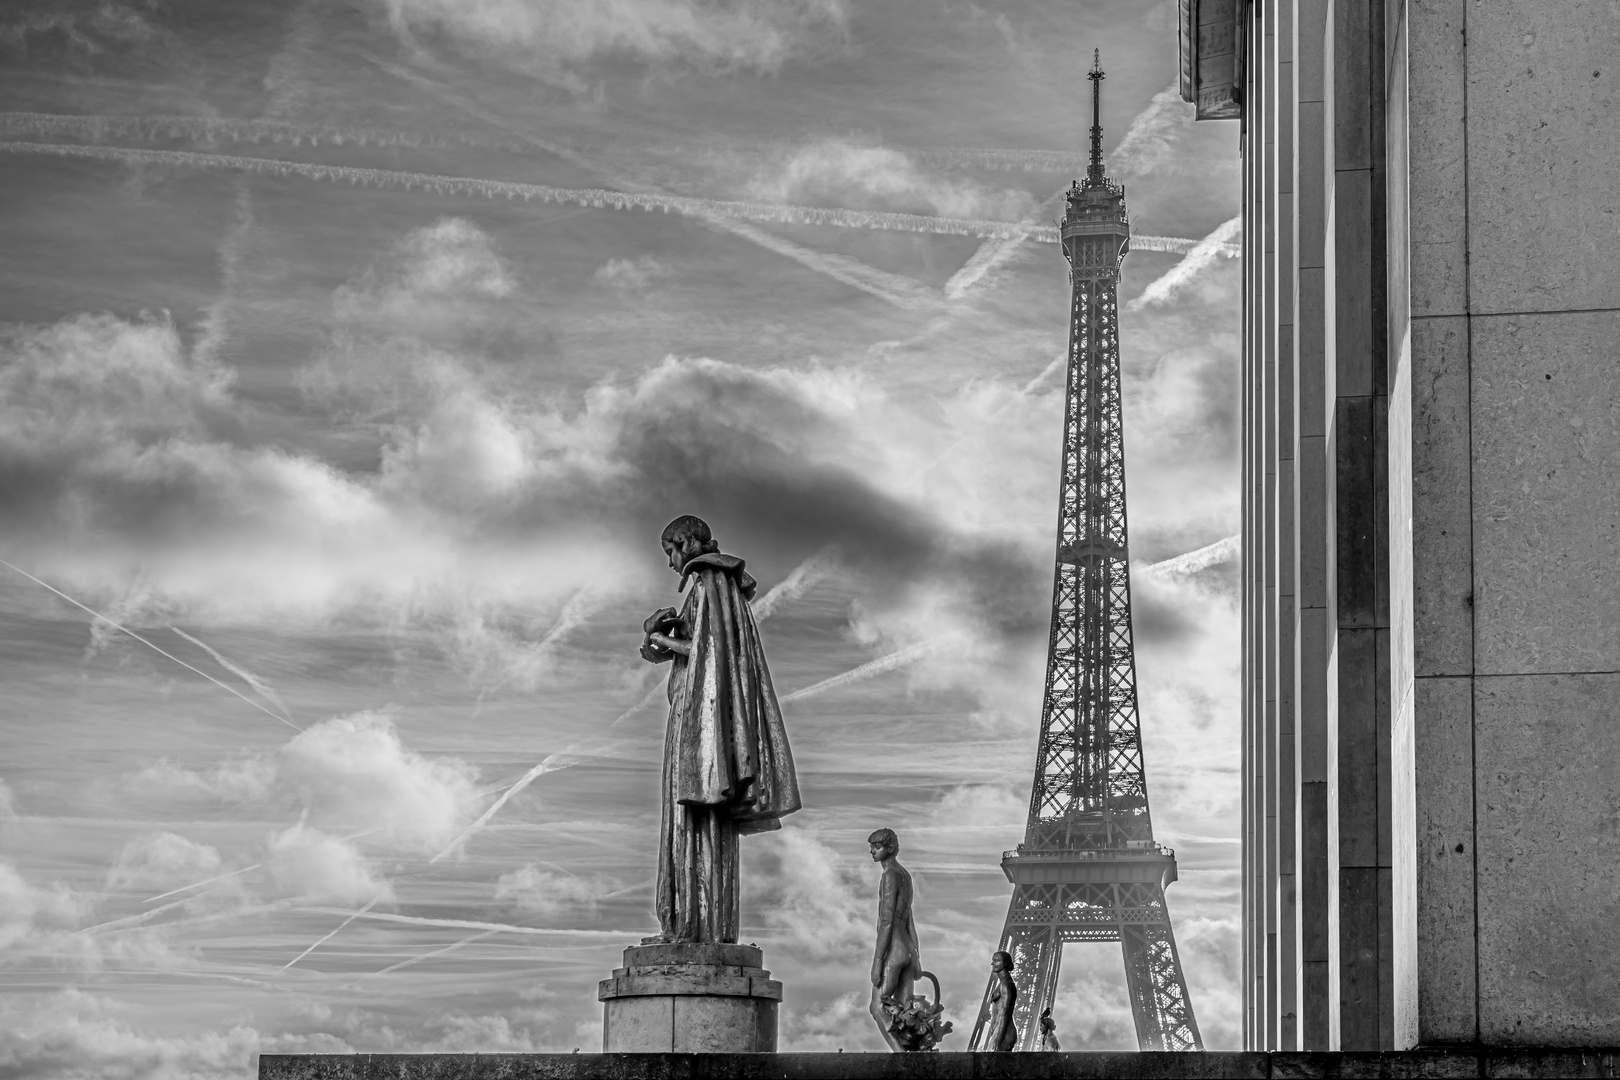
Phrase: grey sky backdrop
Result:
[378,463]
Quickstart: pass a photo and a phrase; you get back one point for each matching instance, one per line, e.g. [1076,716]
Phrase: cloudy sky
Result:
[361,467]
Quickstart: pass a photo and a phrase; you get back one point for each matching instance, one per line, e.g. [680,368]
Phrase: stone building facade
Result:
[1431,535]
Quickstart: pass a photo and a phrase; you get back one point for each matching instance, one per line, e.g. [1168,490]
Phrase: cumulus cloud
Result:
[321,869]
[440,272]
[631,274]
[807,895]
[557,38]
[347,774]
[494,522]
[86,26]
[548,894]
[8,802]
[846,173]
[356,772]
[161,860]
[829,1025]
[73,1034]
[980,806]
[29,912]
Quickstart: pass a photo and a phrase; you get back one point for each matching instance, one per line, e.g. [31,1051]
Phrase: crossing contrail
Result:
[552,763]
[263,688]
[598,198]
[1202,254]
[909,655]
[479,794]
[472,924]
[452,947]
[116,626]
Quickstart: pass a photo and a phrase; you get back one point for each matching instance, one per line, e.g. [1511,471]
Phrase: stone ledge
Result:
[1397,1065]
[687,983]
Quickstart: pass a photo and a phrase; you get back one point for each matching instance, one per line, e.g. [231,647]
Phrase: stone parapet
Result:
[941,1066]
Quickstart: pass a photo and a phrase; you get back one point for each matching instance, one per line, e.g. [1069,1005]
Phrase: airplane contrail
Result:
[452,947]
[1150,130]
[215,330]
[471,924]
[332,933]
[263,688]
[598,198]
[1202,254]
[479,794]
[1002,160]
[909,655]
[796,584]
[550,764]
[1191,562]
[117,626]
[210,129]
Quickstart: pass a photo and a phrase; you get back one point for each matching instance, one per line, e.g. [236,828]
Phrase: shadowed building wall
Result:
[1431,467]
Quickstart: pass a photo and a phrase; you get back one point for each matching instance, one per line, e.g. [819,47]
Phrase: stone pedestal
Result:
[690,999]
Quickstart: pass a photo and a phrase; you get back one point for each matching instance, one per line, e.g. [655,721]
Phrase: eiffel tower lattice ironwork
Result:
[1089,869]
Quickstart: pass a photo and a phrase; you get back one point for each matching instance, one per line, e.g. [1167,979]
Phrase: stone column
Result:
[690,999]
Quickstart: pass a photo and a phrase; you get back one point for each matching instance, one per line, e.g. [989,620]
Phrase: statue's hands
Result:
[659,646]
[877,975]
[663,620]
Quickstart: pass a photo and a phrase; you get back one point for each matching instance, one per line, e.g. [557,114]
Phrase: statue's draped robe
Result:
[727,766]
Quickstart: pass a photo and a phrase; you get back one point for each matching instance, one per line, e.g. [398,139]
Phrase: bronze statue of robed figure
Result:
[728,770]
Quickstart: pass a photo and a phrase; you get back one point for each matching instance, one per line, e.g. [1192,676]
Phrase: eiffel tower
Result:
[1088,869]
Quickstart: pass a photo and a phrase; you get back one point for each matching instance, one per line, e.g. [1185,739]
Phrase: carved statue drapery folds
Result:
[728,769]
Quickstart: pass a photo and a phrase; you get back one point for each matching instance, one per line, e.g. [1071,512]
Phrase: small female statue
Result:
[1003,1033]
[1049,1039]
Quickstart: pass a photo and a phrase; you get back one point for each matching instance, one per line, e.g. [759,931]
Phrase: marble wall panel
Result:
[1441,521]
[1543,91]
[1546,478]
[1547,775]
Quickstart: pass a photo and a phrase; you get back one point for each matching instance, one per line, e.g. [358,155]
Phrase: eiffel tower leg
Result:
[1037,952]
[1158,992]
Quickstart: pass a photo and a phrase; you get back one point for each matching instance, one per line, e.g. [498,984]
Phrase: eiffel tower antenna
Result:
[1089,869]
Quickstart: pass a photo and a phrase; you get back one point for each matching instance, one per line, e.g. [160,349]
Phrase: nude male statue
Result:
[897,961]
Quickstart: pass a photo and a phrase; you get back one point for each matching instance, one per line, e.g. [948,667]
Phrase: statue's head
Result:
[1001,961]
[884,845]
[685,537]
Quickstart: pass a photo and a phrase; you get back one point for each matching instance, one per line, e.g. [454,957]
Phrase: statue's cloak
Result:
[727,746]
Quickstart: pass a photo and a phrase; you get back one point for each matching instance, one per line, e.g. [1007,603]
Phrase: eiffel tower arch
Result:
[1089,868]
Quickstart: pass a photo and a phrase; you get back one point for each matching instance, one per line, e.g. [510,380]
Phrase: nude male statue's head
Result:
[884,844]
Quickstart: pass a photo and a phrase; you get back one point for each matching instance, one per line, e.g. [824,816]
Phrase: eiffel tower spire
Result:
[1089,869]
